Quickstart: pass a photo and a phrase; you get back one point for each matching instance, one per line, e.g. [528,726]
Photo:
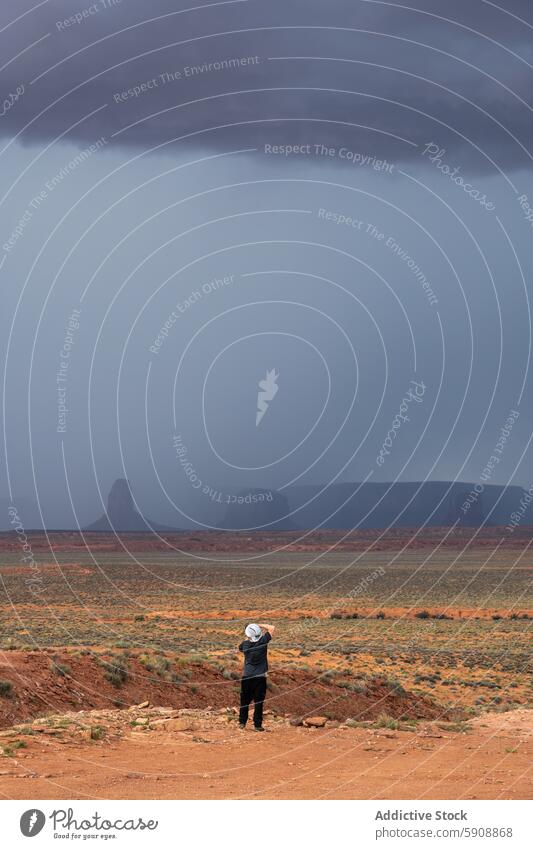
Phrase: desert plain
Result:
[400,667]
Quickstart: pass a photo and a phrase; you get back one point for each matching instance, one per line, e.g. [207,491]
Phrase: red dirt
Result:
[363,612]
[37,690]
[215,760]
[307,541]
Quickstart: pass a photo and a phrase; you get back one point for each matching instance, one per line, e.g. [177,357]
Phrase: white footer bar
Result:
[308,824]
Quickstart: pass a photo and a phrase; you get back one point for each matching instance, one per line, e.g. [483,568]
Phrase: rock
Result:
[143,720]
[315,721]
[121,514]
[182,724]
[272,513]
[296,720]
[143,705]
[165,711]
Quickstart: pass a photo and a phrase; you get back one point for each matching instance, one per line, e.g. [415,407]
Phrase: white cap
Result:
[253,632]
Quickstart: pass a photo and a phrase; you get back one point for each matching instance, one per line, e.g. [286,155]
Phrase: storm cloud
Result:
[337,194]
[383,76]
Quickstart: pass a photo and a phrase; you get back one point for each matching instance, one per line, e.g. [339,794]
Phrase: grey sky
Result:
[138,225]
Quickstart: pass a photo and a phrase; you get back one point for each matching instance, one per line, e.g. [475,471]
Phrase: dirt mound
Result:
[33,684]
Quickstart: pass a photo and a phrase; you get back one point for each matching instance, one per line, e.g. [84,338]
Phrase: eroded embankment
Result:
[34,684]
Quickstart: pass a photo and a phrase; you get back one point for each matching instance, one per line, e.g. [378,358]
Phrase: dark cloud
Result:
[380,76]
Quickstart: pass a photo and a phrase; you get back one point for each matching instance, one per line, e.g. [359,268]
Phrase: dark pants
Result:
[253,690]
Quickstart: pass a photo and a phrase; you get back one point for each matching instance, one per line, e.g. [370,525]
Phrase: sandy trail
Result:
[213,759]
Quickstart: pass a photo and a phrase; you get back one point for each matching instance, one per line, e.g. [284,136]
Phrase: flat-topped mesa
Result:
[257,509]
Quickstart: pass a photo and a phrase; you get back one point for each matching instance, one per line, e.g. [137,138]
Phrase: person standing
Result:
[254,676]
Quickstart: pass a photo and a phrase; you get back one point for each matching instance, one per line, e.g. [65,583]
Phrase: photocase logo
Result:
[32,822]
[267,391]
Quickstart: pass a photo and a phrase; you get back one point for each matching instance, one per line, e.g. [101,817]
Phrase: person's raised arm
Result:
[265,627]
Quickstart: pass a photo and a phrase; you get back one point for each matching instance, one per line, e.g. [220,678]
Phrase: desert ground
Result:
[400,668]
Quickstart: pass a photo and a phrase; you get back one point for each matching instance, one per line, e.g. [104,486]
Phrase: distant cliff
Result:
[121,514]
[412,504]
[341,506]
[260,509]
